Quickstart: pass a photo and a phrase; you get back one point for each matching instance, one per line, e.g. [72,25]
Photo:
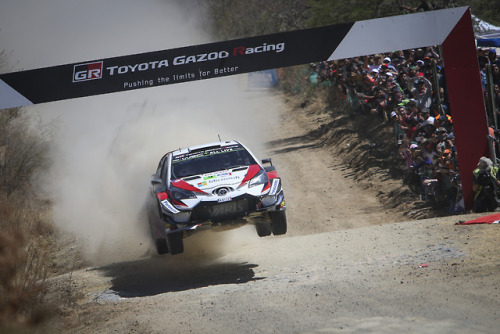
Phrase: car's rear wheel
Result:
[278,222]
[161,246]
[263,229]
[175,243]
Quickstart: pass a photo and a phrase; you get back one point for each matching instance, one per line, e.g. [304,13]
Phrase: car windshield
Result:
[210,161]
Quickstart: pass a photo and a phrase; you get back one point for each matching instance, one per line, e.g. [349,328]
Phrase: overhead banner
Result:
[166,67]
[118,74]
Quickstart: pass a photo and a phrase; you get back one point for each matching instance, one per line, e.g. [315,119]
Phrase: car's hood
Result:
[231,178]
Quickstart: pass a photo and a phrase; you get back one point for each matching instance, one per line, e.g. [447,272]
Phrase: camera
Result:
[484,178]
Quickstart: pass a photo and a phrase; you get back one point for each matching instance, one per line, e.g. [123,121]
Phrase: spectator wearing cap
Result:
[426,128]
[440,75]
[428,150]
[388,62]
[372,77]
[443,142]
[420,68]
[440,134]
[413,73]
[422,93]
[422,166]
[399,123]
[485,184]
[426,67]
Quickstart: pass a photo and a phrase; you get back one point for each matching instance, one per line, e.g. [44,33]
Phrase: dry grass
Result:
[24,264]
[26,235]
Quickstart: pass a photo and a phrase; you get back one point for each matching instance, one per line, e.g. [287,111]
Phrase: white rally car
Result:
[219,184]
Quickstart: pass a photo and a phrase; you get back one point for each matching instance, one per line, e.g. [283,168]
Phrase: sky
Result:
[105,148]
[52,32]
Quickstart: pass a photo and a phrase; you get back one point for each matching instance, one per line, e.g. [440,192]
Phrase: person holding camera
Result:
[485,185]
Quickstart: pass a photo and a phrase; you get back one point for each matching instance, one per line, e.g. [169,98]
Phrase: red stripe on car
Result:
[186,186]
[272,175]
[252,171]
[162,196]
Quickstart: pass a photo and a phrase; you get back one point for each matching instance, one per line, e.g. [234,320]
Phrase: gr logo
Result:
[88,71]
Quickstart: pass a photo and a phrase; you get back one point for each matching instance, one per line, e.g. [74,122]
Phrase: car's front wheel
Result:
[175,242]
[263,229]
[278,222]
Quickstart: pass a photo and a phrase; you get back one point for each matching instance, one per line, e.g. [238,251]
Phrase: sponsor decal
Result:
[152,65]
[244,50]
[169,207]
[202,57]
[209,177]
[186,157]
[201,184]
[87,71]
[92,71]
[207,152]
[224,199]
[274,187]
[225,179]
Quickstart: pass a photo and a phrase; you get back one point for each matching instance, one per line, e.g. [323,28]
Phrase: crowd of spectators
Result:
[489,57]
[406,89]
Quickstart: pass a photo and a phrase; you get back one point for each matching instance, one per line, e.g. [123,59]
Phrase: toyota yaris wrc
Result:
[209,186]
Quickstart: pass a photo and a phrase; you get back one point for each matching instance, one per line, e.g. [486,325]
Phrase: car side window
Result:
[164,168]
[160,170]
[160,165]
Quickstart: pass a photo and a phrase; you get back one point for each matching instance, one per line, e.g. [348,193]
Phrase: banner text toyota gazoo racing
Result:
[205,61]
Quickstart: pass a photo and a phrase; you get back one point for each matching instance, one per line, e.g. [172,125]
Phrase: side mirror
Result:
[155,180]
[267,161]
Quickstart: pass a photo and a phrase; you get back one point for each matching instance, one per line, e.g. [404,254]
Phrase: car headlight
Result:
[178,194]
[260,178]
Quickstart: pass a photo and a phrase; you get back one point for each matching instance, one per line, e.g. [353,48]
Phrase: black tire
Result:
[175,243]
[161,246]
[263,229]
[278,222]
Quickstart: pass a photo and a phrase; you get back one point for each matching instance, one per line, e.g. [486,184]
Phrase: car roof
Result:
[203,147]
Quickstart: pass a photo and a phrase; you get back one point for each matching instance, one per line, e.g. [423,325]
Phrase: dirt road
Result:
[347,265]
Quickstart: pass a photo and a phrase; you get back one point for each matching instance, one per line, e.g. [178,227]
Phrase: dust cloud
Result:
[105,148]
